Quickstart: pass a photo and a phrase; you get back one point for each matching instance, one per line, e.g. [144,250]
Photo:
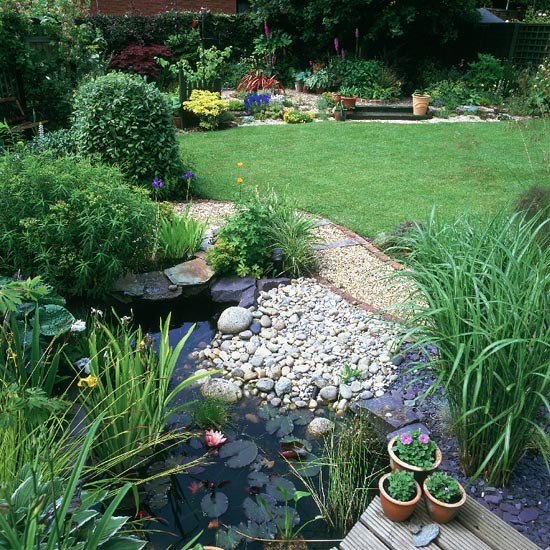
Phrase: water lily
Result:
[214,438]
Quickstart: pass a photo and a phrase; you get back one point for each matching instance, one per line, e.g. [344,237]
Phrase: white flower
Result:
[98,312]
[83,364]
[78,326]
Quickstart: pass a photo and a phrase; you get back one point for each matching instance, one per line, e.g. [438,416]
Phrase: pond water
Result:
[236,491]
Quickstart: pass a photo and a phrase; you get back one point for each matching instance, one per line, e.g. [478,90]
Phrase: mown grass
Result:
[369,177]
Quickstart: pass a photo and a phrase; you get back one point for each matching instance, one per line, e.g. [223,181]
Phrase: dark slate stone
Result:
[230,289]
[249,297]
[397,360]
[153,286]
[255,328]
[529,514]
[388,413]
[267,284]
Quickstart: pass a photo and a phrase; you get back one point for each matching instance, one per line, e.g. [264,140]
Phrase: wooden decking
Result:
[474,528]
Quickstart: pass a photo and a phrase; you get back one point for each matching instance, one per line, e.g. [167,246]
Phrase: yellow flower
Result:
[239,180]
[89,381]
[13,355]
[239,164]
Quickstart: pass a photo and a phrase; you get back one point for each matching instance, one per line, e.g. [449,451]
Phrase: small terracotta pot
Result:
[442,512]
[339,115]
[395,509]
[420,474]
[348,101]
[420,104]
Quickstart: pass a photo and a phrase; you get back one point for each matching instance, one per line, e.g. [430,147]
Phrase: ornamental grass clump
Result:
[483,299]
[415,448]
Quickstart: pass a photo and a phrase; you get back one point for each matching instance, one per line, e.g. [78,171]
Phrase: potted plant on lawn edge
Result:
[421,101]
[339,112]
[444,496]
[415,452]
[399,494]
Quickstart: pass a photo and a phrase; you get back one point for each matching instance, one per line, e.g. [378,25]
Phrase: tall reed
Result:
[483,299]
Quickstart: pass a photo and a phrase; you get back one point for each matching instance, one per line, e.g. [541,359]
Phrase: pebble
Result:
[301,336]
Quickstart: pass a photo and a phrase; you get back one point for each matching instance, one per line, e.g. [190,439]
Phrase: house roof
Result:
[489,17]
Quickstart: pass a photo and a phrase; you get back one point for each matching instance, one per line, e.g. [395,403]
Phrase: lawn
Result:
[369,177]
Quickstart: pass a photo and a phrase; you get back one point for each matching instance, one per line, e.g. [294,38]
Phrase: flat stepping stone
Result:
[153,286]
[194,272]
[336,244]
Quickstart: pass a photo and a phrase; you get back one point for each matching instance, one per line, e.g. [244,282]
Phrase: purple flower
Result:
[424,438]
[343,53]
[157,183]
[188,175]
[447,491]
[406,438]
[266,30]
[356,33]
[336,45]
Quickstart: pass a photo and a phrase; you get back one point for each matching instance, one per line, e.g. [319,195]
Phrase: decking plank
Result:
[360,538]
[491,529]
[453,535]
[395,535]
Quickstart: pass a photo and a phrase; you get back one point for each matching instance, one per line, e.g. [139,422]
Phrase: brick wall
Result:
[150,7]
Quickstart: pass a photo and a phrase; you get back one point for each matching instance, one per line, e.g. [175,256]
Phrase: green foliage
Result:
[294,233]
[443,487]
[180,236]
[207,106]
[130,384]
[77,224]
[50,512]
[207,66]
[244,245]
[355,458]
[539,95]
[415,448]
[210,414]
[401,485]
[58,143]
[235,105]
[126,122]
[484,288]
[534,203]
[486,76]
[349,373]
[295,116]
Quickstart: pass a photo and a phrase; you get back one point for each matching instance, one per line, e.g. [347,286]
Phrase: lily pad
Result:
[229,539]
[284,515]
[260,511]
[301,418]
[257,479]
[291,442]
[268,412]
[308,467]
[280,488]
[239,453]
[214,504]
[258,530]
[281,424]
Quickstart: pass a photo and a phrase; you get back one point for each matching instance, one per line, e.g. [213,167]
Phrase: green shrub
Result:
[483,299]
[294,116]
[208,107]
[126,122]
[58,143]
[78,225]
[235,105]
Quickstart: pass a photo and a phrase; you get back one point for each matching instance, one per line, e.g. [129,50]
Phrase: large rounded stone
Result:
[329,393]
[283,385]
[234,320]
[320,427]
[222,390]
[265,384]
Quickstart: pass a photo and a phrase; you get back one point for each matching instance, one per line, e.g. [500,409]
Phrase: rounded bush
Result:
[126,121]
[77,224]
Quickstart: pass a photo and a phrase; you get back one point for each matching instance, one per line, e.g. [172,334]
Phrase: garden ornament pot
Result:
[348,101]
[442,512]
[395,510]
[420,104]
[420,474]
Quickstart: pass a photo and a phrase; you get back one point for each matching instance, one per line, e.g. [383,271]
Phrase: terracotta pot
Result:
[348,101]
[299,86]
[420,104]
[395,509]
[420,474]
[177,121]
[339,115]
[442,512]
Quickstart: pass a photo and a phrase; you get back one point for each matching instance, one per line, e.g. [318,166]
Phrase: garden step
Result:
[385,112]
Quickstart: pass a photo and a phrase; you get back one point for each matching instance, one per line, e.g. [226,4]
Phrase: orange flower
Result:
[239,180]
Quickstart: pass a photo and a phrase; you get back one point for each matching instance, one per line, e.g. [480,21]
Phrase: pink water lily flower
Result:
[213,438]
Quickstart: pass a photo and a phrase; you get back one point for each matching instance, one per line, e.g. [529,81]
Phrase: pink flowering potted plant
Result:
[415,452]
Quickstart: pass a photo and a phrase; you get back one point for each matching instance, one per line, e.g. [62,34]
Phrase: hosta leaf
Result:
[281,424]
[239,453]
[54,319]
[214,505]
